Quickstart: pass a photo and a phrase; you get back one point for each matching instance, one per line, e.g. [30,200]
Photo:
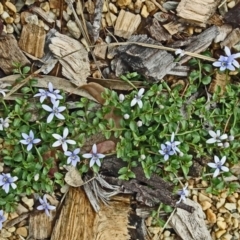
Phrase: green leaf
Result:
[26,70]
[206,80]
[133,126]
[27,116]
[207,67]
[185,170]
[123,170]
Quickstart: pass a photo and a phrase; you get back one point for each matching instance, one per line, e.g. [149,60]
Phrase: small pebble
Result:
[230,206]
[73,29]
[144,11]
[11,7]
[231,4]
[205,205]
[22,231]
[11,229]
[211,216]
[219,233]
[28,201]
[113,8]
[220,203]
[221,224]
[202,197]
[9,28]
[5,233]
[231,199]
[227,237]
[1,9]
[45,6]
[166,233]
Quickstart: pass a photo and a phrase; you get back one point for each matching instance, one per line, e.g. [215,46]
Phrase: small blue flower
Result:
[183,194]
[43,94]
[173,144]
[137,98]
[227,62]
[29,140]
[62,140]
[166,151]
[45,205]
[94,155]
[54,111]
[218,165]
[2,218]
[4,123]
[6,180]
[73,157]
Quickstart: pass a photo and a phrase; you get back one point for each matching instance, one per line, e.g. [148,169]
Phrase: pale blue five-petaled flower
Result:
[6,180]
[218,165]
[216,137]
[173,144]
[94,155]
[138,98]
[73,157]
[45,205]
[29,140]
[166,151]
[54,111]
[227,62]
[54,92]
[62,140]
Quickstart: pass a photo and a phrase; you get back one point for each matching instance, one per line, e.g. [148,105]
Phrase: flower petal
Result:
[59,116]
[94,148]
[24,142]
[92,161]
[140,104]
[37,140]
[65,132]
[40,207]
[133,102]
[224,136]
[100,155]
[212,165]
[64,146]
[87,155]
[225,169]
[223,160]
[216,159]
[70,141]
[216,173]
[227,51]
[29,147]
[56,144]
[217,64]
[24,135]
[57,136]
[50,87]
[98,162]
[211,140]
[50,117]
[140,92]
[47,108]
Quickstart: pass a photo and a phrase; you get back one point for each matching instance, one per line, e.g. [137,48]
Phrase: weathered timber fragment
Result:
[73,57]
[149,191]
[100,50]
[9,53]
[126,24]
[152,63]
[40,225]
[224,30]
[173,27]
[157,32]
[190,226]
[201,42]
[233,16]
[32,40]
[78,220]
[232,38]
[196,11]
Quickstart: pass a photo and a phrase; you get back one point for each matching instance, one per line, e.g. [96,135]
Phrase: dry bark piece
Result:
[42,14]
[197,11]
[126,24]
[190,226]
[32,40]
[232,38]
[77,219]
[73,177]
[151,63]
[40,225]
[100,50]
[173,27]
[73,58]
[224,30]
[157,32]
[9,53]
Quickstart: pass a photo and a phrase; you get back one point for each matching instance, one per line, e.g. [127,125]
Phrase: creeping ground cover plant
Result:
[160,128]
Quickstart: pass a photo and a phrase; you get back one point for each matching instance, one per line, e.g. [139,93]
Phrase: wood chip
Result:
[219,80]
[32,40]
[73,58]
[190,226]
[197,11]
[126,24]
[173,27]
[232,38]
[224,30]
[9,53]
[157,31]
[40,225]
[78,220]
[73,177]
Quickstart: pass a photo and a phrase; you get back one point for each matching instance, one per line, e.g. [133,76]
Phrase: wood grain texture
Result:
[32,40]
[9,53]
